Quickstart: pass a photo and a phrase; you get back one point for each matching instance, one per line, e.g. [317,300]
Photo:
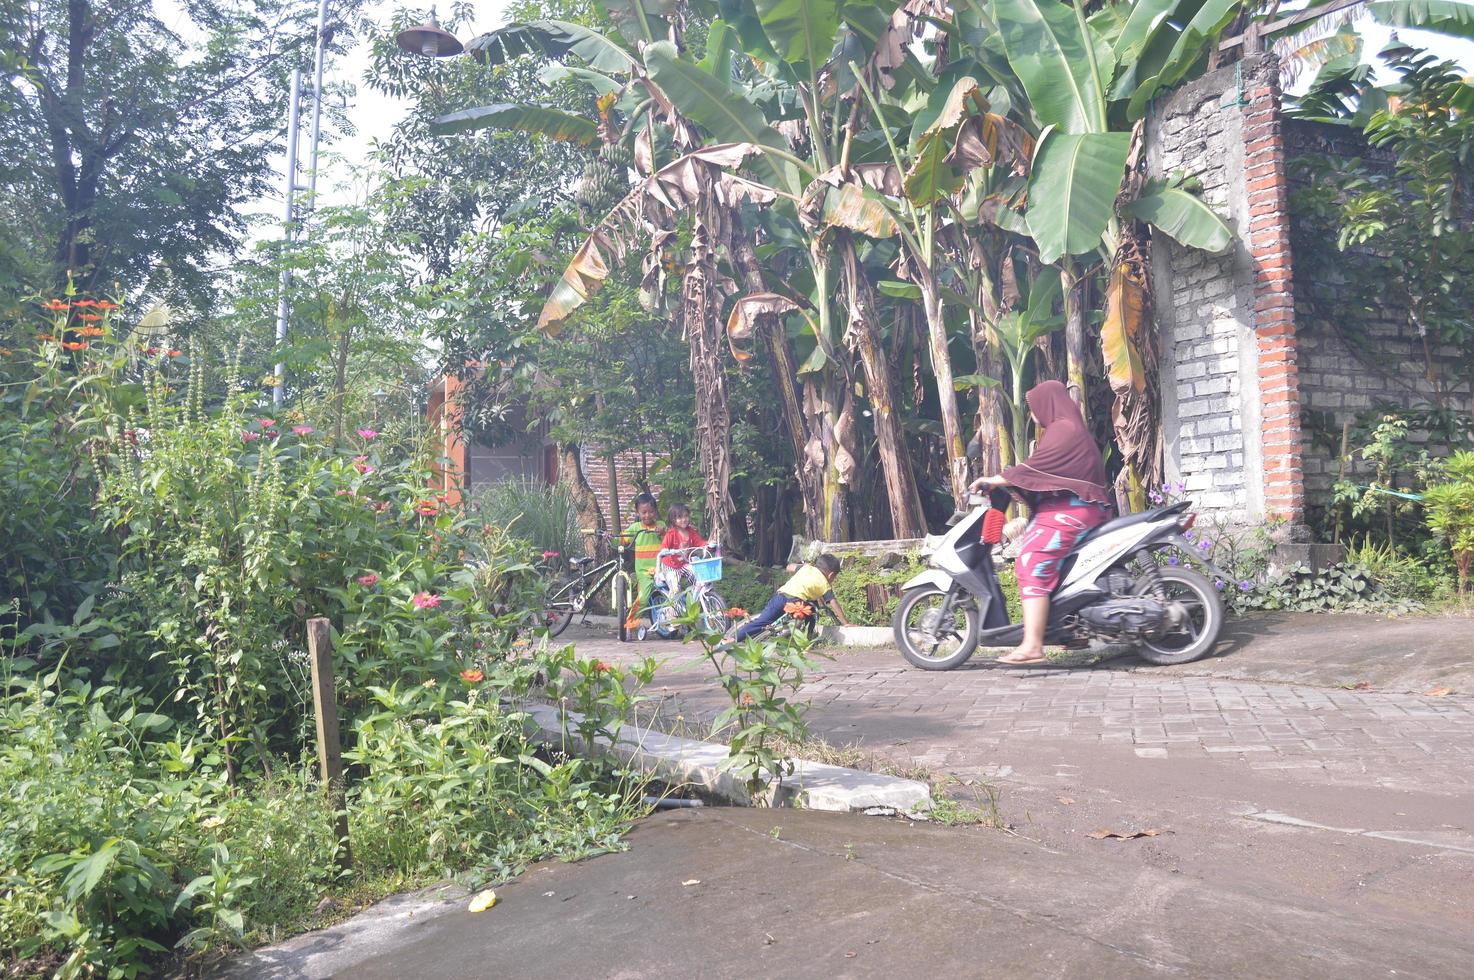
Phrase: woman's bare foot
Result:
[1024,655]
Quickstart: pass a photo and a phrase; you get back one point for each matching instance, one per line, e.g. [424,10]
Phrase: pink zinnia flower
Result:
[424,600]
[301,430]
[368,580]
[361,464]
[267,423]
[550,554]
[367,435]
[250,436]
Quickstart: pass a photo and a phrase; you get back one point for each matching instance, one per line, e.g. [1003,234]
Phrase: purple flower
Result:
[1171,559]
[1246,585]
[1205,544]
[1154,497]
[1218,583]
[1177,487]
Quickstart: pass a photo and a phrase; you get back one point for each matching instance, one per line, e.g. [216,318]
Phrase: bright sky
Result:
[374,114]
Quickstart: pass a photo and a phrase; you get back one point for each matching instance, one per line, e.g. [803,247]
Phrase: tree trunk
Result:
[780,356]
[907,520]
[1074,286]
[941,364]
[611,461]
[570,474]
[713,418]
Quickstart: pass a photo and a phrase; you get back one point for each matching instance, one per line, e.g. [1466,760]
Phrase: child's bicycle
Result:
[569,595]
[675,591]
[808,624]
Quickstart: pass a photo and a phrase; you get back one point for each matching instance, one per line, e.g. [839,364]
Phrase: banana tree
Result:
[1088,82]
[692,98]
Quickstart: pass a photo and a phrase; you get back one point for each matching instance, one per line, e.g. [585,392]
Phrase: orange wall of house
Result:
[444,411]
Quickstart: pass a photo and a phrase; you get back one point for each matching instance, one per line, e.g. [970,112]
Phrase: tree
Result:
[130,145]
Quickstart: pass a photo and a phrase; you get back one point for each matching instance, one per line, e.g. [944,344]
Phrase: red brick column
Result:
[1274,301]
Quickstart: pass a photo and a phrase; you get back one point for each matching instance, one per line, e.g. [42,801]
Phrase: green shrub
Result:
[1450,509]
[543,516]
[857,572]
[748,586]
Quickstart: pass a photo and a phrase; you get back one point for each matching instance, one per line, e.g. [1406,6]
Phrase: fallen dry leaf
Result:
[1067,800]
[1439,692]
[482,901]
[1362,686]
[1124,835]
[693,881]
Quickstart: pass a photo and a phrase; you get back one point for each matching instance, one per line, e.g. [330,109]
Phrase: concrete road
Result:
[1304,830]
[764,893]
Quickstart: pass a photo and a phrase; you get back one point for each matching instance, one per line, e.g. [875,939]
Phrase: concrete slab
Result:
[677,760]
[747,893]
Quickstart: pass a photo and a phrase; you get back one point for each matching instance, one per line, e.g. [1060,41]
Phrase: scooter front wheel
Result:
[931,636]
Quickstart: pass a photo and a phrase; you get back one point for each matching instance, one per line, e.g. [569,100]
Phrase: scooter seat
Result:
[1146,516]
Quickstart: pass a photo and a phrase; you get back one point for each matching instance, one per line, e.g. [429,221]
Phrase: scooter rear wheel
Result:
[1197,634]
[925,640]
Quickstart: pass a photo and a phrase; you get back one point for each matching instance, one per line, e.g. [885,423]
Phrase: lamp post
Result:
[294,117]
[429,40]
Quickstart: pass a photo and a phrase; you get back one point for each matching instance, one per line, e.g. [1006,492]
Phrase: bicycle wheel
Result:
[561,603]
[622,606]
[714,618]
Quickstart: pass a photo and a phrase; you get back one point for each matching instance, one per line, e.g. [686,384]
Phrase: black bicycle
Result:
[569,596]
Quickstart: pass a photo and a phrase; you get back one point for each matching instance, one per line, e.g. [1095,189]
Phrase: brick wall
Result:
[1226,323]
[631,467]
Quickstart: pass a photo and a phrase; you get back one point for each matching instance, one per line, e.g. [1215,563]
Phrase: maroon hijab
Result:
[1066,457]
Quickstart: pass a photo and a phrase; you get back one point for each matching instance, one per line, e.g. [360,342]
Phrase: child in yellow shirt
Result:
[809,586]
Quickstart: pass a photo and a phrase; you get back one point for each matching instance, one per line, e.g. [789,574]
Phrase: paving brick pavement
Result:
[961,720]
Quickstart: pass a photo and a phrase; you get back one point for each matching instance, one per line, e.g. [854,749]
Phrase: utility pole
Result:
[294,115]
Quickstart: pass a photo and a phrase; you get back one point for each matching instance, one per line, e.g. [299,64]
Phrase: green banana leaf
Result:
[720,110]
[1072,190]
[1453,17]
[1181,215]
[801,31]
[552,39]
[1063,66]
[552,123]
[640,20]
[1189,48]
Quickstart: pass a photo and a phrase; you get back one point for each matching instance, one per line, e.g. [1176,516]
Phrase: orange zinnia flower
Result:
[91,331]
[106,304]
[56,305]
[46,337]
[176,353]
[798,610]
[84,303]
[737,612]
[601,667]
[90,317]
[473,676]
[75,345]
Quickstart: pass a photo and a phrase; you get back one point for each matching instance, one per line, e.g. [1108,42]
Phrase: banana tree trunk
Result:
[780,358]
[907,520]
[941,363]
[1074,288]
[571,475]
[713,414]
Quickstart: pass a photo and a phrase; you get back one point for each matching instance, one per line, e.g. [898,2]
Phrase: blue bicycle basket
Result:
[707,570]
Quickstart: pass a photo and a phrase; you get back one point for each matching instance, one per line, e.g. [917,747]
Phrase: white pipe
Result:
[282,306]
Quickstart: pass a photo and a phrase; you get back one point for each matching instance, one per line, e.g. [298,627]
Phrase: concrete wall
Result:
[1356,350]
[1204,306]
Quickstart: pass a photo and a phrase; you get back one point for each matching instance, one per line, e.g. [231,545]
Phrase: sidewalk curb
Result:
[813,785]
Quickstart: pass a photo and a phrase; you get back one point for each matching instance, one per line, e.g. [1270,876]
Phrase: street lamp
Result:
[429,40]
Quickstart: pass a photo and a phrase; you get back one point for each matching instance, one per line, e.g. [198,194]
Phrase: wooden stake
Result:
[329,751]
[1341,475]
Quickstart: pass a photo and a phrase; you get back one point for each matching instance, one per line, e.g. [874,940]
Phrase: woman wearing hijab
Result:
[1068,480]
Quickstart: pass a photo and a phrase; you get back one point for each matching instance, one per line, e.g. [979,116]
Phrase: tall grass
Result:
[545,516]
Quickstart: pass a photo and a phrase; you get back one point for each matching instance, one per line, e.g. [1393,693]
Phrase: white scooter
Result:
[1114,587]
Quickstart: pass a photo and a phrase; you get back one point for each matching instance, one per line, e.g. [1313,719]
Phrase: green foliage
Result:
[760,675]
[1340,588]
[857,573]
[748,586]
[543,516]
[1450,507]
